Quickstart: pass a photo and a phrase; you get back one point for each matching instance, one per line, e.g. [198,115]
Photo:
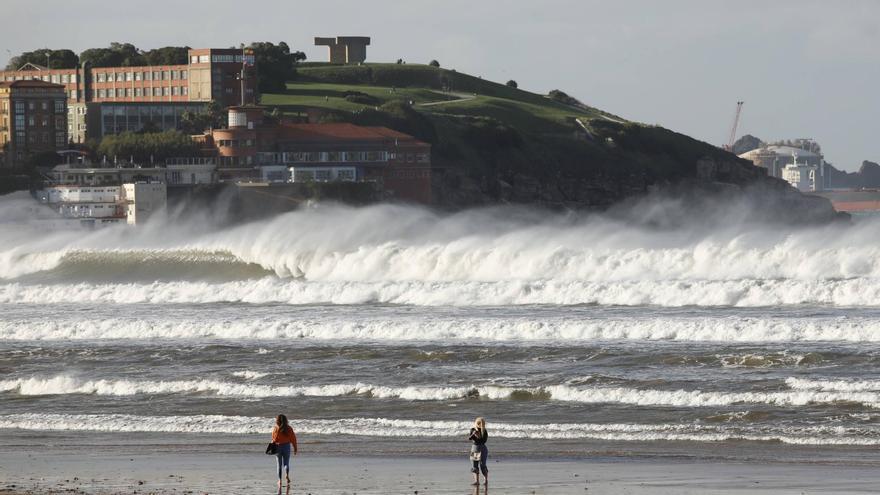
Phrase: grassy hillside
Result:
[498,143]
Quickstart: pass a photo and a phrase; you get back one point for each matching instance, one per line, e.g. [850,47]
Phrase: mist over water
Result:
[658,321]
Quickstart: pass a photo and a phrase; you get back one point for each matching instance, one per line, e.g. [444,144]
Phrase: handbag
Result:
[476,453]
[272,448]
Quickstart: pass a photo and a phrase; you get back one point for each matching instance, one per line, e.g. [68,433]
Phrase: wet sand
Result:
[166,466]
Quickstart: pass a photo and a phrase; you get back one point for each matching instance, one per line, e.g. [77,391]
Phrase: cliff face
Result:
[612,163]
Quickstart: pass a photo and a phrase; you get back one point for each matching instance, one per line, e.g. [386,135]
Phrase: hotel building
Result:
[109,100]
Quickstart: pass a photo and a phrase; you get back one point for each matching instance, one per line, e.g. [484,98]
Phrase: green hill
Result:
[495,143]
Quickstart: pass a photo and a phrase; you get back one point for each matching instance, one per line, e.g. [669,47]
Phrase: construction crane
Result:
[730,141]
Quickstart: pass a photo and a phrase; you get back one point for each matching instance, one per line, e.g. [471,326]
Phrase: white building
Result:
[143,200]
[776,158]
[323,174]
[803,176]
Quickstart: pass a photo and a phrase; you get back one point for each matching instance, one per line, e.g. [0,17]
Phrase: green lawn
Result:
[324,86]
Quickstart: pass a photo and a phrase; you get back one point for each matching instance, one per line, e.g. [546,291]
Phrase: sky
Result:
[805,69]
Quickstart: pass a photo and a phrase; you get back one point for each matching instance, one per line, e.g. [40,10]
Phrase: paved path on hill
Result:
[459,97]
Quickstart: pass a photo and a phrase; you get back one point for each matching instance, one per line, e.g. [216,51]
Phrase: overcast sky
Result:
[804,68]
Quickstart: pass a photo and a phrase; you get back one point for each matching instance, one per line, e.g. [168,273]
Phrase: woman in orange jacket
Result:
[283,436]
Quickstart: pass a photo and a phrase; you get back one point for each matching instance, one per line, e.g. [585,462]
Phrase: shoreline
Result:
[101,464]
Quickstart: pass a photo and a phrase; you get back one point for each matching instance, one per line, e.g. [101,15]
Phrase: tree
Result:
[275,64]
[57,59]
[512,84]
[147,147]
[434,63]
[117,55]
[167,55]
[212,116]
[399,61]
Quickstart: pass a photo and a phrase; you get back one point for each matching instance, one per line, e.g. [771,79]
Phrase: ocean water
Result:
[393,322]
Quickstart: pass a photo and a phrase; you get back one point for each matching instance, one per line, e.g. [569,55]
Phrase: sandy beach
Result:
[54,464]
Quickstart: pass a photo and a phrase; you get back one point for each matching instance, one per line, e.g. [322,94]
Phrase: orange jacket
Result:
[282,437]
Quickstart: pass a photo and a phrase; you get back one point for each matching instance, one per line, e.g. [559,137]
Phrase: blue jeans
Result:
[283,457]
[481,464]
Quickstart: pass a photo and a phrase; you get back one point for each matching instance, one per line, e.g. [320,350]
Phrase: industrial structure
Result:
[345,49]
[799,163]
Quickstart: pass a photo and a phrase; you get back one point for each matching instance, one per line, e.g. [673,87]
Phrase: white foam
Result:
[409,256]
[250,375]
[833,385]
[403,428]
[65,384]
[445,328]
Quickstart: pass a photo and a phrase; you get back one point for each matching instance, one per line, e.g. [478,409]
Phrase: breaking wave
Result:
[799,395]
[547,329]
[397,428]
[270,290]
[404,255]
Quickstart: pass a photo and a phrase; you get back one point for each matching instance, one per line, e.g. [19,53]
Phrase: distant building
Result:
[157,94]
[33,119]
[803,176]
[345,49]
[175,172]
[779,158]
[132,203]
[254,149]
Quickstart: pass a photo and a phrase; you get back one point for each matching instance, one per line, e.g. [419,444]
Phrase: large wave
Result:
[326,326]
[800,393]
[408,255]
[405,428]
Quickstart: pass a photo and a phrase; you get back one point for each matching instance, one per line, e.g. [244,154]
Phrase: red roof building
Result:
[400,163]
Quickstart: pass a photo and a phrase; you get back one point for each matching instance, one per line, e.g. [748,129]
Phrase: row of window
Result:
[43,137]
[155,75]
[204,59]
[58,106]
[137,92]
[53,78]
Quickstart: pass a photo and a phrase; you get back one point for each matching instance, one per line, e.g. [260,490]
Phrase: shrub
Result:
[512,84]
[434,63]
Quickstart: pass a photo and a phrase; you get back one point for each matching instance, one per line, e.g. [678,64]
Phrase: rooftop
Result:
[30,83]
[341,131]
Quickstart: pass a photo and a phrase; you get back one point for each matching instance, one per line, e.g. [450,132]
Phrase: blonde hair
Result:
[480,423]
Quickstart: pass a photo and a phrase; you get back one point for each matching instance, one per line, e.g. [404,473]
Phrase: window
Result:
[102,93]
[194,59]
[184,90]
[157,91]
[60,139]
[138,76]
[111,93]
[322,175]
[19,138]
[156,75]
[127,92]
[345,174]
[129,76]
[204,59]
[173,75]
[19,121]
[65,78]
[165,75]
[73,78]
[19,107]
[31,121]
[137,91]
[175,91]
[54,78]
[165,91]
[183,74]
[102,77]
[44,105]
[148,76]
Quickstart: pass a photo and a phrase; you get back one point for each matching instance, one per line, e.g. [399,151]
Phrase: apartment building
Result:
[33,119]
[165,91]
